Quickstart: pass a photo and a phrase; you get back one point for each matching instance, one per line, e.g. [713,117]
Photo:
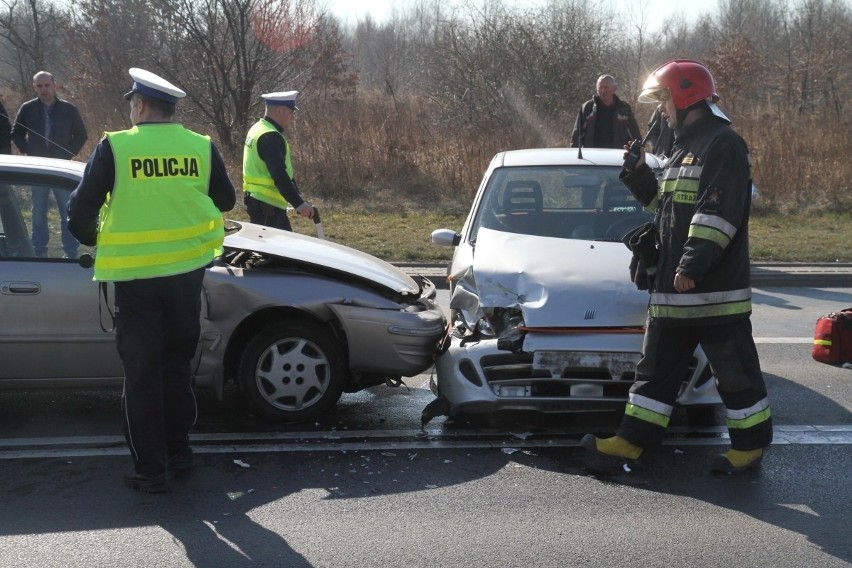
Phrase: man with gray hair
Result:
[605,121]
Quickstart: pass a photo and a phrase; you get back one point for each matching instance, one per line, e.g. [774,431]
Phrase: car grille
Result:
[514,375]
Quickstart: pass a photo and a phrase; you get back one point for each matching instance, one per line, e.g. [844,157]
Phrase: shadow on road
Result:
[805,489]
[278,511]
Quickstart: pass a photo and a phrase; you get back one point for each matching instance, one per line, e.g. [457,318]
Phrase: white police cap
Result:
[151,85]
[286,98]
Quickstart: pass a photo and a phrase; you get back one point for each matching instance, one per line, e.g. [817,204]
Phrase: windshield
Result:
[566,202]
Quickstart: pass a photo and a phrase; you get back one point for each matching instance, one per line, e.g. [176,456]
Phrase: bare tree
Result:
[534,67]
[225,53]
[819,40]
[30,31]
[133,34]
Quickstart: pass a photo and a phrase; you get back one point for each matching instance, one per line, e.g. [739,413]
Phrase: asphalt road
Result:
[365,487]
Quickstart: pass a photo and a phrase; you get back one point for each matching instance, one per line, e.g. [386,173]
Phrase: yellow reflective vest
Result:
[158,220]
[256,179]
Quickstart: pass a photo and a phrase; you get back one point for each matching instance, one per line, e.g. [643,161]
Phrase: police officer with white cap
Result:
[268,168]
[151,199]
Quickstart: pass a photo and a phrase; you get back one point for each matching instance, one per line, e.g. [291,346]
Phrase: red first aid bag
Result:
[833,338]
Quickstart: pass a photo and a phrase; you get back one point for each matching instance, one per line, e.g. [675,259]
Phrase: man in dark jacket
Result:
[51,127]
[605,121]
[701,291]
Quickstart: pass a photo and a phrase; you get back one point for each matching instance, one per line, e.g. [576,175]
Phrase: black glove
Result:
[642,242]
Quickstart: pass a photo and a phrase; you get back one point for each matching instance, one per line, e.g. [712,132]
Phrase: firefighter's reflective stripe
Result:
[823,342]
[712,228]
[648,410]
[698,305]
[748,417]
[683,190]
[682,183]
[691,172]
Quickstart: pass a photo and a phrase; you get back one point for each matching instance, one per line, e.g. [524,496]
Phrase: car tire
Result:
[292,371]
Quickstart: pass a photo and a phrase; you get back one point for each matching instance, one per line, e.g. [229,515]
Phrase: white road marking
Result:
[805,340]
[94,446]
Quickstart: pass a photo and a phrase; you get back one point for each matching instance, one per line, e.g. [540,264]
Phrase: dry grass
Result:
[404,235]
[386,171]
[803,237]
[799,165]
[401,236]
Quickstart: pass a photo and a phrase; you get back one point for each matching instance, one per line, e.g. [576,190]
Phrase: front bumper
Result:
[555,373]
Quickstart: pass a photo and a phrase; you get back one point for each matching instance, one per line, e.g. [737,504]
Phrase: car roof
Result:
[567,156]
[15,164]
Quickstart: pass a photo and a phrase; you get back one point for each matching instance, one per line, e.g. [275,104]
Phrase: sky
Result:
[350,11]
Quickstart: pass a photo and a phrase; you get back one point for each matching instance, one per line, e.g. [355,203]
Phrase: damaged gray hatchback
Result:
[544,315]
[295,320]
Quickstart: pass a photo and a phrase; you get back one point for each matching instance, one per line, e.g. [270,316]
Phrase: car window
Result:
[33,218]
[568,202]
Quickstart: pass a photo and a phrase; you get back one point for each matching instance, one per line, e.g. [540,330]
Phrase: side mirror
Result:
[445,238]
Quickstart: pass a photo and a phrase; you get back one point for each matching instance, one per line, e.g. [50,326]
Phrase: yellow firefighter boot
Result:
[616,447]
[734,461]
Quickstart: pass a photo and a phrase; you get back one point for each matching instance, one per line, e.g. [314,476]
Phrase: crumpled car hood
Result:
[554,282]
[319,252]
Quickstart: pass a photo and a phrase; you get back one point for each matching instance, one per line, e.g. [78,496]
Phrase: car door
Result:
[55,326]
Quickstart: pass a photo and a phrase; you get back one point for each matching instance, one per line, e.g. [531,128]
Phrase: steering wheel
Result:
[623,226]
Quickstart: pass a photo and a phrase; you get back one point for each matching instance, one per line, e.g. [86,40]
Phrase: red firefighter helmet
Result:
[688,82]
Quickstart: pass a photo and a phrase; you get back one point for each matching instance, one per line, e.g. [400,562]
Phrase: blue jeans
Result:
[41,234]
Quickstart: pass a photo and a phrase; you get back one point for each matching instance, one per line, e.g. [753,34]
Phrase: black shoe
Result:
[146,483]
[180,459]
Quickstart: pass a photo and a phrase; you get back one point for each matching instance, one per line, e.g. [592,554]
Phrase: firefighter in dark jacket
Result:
[701,292]
[604,121]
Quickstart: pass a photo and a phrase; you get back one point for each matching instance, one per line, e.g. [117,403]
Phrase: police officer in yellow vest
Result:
[268,168]
[151,199]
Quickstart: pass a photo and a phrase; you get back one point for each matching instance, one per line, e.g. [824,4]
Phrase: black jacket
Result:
[67,137]
[703,203]
[624,125]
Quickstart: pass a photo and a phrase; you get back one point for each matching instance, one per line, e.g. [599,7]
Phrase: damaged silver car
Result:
[295,320]
[544,315]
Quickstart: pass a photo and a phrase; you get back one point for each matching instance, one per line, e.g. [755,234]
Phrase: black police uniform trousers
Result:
[157,332]
[666,356]
[262,213]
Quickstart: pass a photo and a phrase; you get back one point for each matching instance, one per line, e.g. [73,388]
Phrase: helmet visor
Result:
[655,94]
[653,91]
